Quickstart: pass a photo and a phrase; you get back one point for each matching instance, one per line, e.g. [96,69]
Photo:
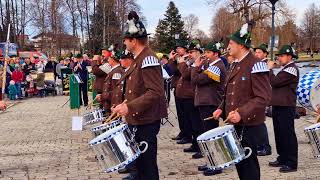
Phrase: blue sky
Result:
[153,10]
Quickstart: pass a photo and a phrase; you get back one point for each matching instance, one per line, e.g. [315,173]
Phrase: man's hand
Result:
[121,109]
[98,97]
[3,105]
[271,64]
[198,62]
[217,113]
[172,55]
[234,117]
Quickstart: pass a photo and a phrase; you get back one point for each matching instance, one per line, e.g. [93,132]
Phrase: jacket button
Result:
[254,116]
[133,115]
[234,82]
[130,91]
[137,113]
[232,103]
[248,118]
[129,77]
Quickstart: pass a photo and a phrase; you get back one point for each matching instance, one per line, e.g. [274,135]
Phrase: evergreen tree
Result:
[112,26]
[167,29]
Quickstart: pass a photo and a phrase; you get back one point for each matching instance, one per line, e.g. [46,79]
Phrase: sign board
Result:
[76,123]
[65,73]
[12,49]
[276,41]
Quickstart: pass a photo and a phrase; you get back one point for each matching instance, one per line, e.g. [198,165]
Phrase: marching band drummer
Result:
[100,75]
[264,147]
[209,77]
[283,102]
[126,60]
[110,82]
[145,99]
[246,96]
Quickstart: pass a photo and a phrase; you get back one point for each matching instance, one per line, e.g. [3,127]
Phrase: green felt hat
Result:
[263,47]
[242,36]
[126,54]
[195,45]
[289,50]
[181,43]
[214,46]
[78,56]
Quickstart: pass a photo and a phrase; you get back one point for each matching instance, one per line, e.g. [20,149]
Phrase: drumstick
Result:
[113,113]
[223,123]
[91,103]
[114,118]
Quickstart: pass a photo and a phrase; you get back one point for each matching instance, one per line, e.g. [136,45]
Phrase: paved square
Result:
[36,142]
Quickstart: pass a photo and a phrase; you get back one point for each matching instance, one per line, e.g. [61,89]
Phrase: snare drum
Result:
[96,131]
[116,148]
[93,117]
[309,89]
[313,134]
[221,147]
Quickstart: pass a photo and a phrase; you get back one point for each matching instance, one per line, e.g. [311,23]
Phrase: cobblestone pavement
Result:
[36,142]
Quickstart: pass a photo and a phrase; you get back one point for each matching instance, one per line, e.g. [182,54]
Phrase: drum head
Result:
[315,95]
[214,133]
[106,126]
[108,134]
[313,127]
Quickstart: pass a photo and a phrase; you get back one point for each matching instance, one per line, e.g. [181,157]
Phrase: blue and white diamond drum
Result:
[116,148]
[221,147]
[96,131]
[308,91]
[313,134]
[93,117]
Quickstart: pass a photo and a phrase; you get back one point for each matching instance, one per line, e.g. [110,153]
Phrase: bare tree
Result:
[191,23]
[311,25]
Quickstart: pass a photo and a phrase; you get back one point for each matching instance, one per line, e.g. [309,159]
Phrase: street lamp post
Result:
[273,2]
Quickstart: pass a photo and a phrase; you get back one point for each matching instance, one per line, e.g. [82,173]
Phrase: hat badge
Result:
[288,50]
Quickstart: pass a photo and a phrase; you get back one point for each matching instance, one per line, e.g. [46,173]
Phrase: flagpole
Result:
[6,58]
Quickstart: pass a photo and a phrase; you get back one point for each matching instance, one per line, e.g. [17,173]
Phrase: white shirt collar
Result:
[214,62]
[115,67]
[238,60]
[288,64]
[125,70]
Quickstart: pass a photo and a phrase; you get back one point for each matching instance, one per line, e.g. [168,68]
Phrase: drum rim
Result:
[105,126]
[228,164]
[94,121]
[125,126]
[218,136]
[312,127]
[123,164]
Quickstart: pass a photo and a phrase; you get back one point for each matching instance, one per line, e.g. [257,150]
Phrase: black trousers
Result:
[206,111]
[186,133]
[263,138]
[146,163]
[192,121]
[83,93]
[248,169]
[285,136]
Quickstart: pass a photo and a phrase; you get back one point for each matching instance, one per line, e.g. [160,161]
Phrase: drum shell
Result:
[98,130]
[93,117]
[116,152]
[222,152]
[313,134]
